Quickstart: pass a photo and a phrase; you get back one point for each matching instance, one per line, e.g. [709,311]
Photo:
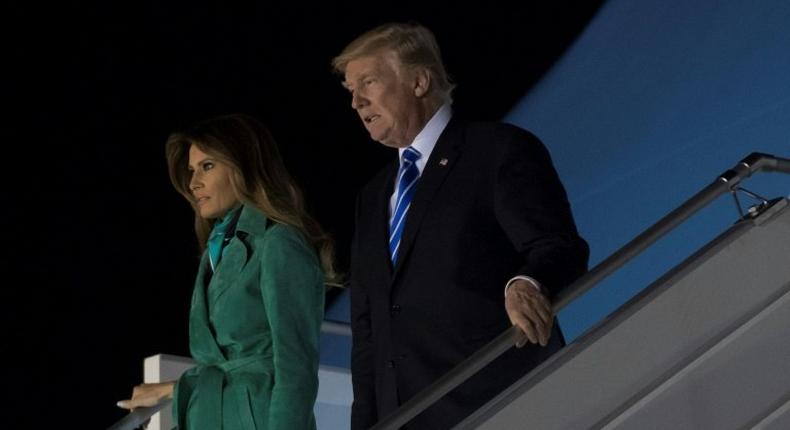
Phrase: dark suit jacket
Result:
[488,206]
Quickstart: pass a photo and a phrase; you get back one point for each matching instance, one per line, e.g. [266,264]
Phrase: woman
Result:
[258,300]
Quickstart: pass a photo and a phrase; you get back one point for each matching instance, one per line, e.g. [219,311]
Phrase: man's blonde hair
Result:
[413,44]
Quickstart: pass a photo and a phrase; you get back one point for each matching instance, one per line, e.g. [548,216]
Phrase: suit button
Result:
[394,310]
[391,364]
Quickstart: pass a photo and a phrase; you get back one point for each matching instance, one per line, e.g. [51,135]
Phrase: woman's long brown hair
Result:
[258,177]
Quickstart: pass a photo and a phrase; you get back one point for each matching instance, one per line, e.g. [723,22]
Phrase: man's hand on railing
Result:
[145,395]
[530,310]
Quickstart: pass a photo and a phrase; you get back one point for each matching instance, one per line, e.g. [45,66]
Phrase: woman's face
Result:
[210,184]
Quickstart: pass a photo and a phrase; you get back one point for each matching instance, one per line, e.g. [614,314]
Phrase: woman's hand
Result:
[148,395]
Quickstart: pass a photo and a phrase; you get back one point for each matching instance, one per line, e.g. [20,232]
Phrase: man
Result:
[470,210]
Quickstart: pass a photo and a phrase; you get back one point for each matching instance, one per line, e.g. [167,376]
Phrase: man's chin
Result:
[389,143]
[381,139]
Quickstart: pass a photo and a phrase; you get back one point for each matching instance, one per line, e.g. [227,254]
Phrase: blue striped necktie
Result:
[407,182]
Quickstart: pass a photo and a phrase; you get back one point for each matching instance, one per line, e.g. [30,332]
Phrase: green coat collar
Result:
[252,221]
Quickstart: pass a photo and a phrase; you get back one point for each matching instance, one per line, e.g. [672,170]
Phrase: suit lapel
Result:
[440,163]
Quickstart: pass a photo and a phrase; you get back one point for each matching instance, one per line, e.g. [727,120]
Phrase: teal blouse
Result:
[219,234]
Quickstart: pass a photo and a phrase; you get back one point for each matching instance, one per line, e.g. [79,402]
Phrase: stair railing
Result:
[729,181]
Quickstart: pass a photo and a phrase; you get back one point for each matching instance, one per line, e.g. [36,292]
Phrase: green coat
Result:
[254,333]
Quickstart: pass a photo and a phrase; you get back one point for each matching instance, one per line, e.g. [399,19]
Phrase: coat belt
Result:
[210,384]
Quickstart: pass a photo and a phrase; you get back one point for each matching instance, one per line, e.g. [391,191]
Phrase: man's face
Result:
[384,98]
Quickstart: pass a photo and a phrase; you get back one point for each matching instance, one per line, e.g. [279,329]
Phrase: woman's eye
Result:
[208,165]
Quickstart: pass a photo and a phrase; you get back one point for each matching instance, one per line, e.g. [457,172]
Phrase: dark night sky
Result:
[102,245]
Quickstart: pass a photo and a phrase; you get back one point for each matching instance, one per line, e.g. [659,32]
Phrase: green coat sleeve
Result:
[293,296]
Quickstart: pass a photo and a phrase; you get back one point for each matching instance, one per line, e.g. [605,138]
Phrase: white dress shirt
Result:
[424,143]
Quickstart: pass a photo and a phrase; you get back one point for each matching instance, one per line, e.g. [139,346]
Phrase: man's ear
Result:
[422,82]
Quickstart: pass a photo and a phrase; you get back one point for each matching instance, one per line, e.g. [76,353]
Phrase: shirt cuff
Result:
[531,281]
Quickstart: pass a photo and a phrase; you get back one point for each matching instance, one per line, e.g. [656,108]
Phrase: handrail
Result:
[727,181]
[139,416]
[336,328]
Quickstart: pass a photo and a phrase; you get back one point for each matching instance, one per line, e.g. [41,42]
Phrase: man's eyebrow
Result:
[361,77]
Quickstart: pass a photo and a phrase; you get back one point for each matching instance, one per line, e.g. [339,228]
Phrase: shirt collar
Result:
[429,135]
[226,222]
